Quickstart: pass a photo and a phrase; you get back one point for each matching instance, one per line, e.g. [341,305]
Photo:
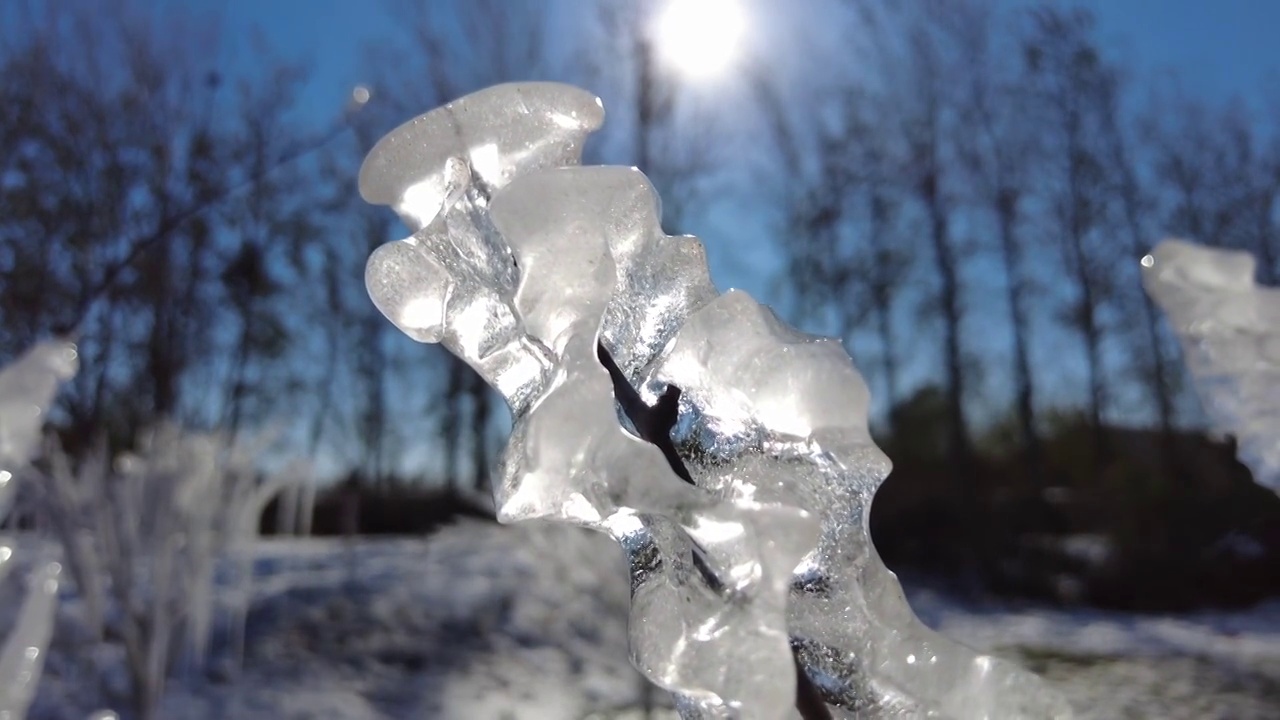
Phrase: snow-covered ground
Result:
[1114,666]
[528,621]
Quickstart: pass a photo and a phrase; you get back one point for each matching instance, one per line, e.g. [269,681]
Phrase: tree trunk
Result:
[1160,387]
[480,411]
[1077,227]
[237,389]
[1092,334]
[882,297]
[1266,253]
[160,360]
[453,423]
[960,444]
[1011,255]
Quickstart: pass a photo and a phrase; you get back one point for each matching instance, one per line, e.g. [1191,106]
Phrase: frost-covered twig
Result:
[160,521]
[1229,327]
[27,389]
[751,544]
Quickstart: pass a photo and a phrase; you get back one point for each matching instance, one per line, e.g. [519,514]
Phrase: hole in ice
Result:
[652,423]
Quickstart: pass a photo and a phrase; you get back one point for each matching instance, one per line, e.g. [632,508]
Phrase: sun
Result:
[699,38]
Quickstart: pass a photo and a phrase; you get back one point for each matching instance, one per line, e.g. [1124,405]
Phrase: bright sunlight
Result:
[699,38]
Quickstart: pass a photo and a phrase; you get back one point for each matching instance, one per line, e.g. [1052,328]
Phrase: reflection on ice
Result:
[535,271]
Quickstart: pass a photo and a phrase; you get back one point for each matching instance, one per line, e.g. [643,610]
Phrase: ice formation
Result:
[749,549]
[27,389]
[191,503]
[1229,327]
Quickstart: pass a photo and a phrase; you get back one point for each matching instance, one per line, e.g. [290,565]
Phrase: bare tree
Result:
[1209,168]
[926,120]
[1067,74]
[1000,154]
[119,209]
[844,259]
[275,223]
[669,138]
[1135,210]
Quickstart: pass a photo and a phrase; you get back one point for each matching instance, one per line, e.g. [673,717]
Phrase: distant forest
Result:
[963,194]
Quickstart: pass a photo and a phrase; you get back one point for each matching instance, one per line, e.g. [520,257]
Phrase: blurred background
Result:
[960,190]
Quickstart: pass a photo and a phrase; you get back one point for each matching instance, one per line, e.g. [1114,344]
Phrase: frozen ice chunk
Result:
[23,654]
[495,134]
[455,282]
[569,459]
[744,520]
[1229,328]
[742,365]
[723,649]
[27,389]
[660,279]
[780,417]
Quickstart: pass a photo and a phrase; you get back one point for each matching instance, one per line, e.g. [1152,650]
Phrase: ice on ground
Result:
[1207,664]
[475,622]
[1229,327]
[159,543]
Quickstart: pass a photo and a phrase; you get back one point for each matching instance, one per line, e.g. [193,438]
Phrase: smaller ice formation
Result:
[727,453]
[1229,327]
[27,389]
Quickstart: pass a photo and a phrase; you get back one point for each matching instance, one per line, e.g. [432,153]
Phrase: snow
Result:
[747,544]
[1209,664]
[475,623]
[143,535]
[1229,327]
[1217,635]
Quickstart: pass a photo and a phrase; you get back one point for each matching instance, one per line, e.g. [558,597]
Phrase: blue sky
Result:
[1219,47]
[328,36]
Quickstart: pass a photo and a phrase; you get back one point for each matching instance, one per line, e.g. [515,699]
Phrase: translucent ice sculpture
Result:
[1229,328]
[27,389]
[727,453]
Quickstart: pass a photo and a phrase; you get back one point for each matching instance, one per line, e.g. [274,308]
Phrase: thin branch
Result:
[172,222]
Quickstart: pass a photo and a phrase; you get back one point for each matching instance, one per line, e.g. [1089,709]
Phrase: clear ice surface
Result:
[1229,328]
[522,263]
[27,389]
[22,657]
